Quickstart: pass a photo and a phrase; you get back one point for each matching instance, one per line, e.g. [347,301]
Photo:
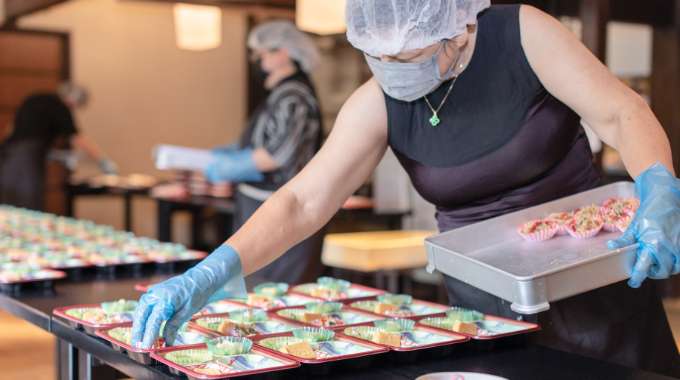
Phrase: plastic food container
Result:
[386,307]
[227,324]
[91,317]
[488,328]
[196,362]
[340,347]
[332,289]
[119,337]
[274,302]
[14,277]
[338,316]
[418,338]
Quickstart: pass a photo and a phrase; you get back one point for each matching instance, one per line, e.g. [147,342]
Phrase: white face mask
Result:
[409,81]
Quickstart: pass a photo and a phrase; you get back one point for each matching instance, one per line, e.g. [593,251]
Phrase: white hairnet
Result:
[73,93]
[388,27]
[284,34]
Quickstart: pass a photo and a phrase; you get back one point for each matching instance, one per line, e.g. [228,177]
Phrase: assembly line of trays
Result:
[38,247]
[278,328]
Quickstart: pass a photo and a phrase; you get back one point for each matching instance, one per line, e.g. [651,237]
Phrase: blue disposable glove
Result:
[225,148]
[233,166]
[656,226]
[107,166]
[217,277]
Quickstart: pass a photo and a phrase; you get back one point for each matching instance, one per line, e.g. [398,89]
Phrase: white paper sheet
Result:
[173,157]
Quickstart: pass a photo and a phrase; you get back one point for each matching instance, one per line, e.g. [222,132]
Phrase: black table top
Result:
[510,358]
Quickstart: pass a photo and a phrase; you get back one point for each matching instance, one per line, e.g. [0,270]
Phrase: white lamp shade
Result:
[320,16]
[197,27]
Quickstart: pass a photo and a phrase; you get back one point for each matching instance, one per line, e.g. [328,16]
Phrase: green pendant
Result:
[434,120]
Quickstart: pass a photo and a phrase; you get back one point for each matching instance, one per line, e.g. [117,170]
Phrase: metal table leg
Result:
[164,220]
[66,360]
[127,211]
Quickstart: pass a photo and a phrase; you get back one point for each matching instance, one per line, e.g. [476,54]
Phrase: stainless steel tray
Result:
[491,255]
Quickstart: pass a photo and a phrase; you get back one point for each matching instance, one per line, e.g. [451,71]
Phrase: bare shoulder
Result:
[365,109]
[533,19]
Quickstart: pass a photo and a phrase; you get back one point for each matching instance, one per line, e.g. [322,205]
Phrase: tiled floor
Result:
[26,352]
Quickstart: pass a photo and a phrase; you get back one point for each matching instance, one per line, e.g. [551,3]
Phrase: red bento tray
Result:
[273,309]
[375,292]
[137,354]
[454,338]
[442,309]
[374,349]
[53,275]
[89,327]
[337,327]
[194,325]
[177,369]
[529,327]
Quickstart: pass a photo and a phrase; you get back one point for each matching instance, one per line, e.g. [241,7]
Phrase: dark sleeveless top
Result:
[504,143]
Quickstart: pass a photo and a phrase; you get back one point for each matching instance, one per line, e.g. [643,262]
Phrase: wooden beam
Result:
[17,8]
[594,15]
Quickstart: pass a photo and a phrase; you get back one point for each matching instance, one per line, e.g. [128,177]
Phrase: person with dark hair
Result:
[40,120]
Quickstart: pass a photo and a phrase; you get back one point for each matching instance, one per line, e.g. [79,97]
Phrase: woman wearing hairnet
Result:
[282,135]
[481,105]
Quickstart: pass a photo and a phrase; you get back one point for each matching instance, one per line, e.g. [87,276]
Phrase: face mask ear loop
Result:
[451,68]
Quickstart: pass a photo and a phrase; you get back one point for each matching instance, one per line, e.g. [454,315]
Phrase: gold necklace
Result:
[434,120]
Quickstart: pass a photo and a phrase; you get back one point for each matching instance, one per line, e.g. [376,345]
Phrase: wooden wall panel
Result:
[14,88]
[33,62]
[30,52]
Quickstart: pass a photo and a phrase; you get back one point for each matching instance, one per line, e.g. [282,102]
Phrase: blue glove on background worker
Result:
[656,226]
[233,166]
[177,299]
[225,148]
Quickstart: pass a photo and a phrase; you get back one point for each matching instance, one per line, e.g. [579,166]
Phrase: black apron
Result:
[22,173]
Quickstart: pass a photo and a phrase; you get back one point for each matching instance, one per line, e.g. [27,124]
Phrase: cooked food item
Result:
[388,338]
[301,349]
[586,223]
[562,219]
[385,308]
[465,328]
[538,230]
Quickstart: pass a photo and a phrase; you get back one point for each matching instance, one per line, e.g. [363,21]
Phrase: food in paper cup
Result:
[617,213]
[229,345]
[623,223]
[395,299]
[585,225]
[538,230]
[313,334]
[561,218]
[462,314]
[395,325]
[592,211]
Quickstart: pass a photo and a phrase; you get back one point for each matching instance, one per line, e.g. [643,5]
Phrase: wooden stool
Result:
[383,253]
